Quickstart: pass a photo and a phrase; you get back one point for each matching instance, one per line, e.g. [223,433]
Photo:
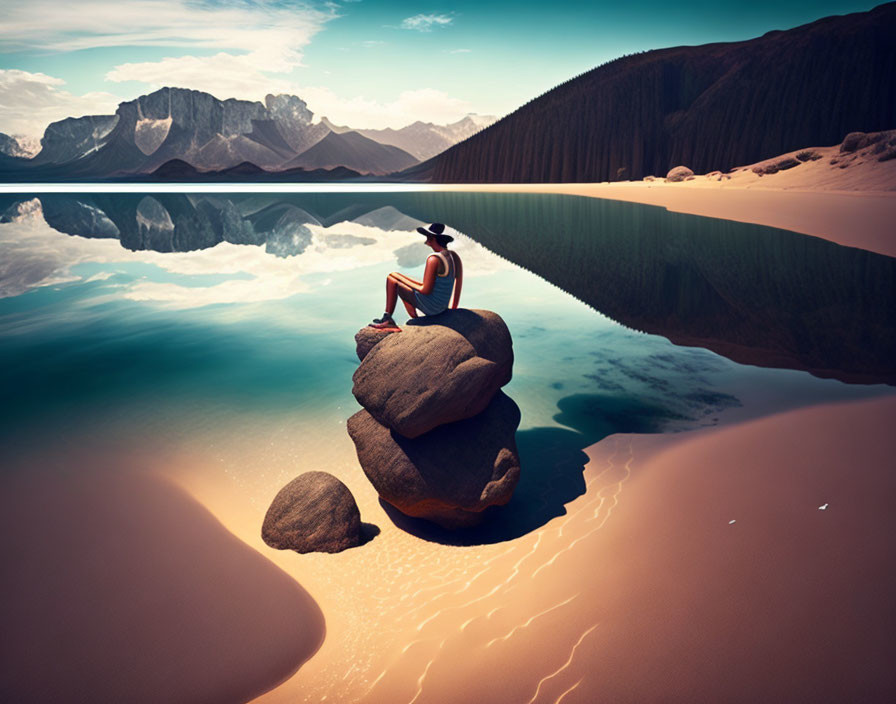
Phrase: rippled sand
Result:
[697,566]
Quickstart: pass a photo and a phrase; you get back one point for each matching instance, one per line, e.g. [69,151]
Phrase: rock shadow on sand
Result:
[552,462]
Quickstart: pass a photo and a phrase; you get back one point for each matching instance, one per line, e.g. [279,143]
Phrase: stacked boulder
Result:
[436,436]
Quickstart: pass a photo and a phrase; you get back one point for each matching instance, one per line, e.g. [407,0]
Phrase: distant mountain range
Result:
[709,107]
[209,135]
[355,151]
[706,107]
[424,139]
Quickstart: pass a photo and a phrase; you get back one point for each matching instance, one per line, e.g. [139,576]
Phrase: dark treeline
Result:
[707,107]
[754,294]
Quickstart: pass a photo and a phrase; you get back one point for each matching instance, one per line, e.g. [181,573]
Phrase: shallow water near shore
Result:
[217,331]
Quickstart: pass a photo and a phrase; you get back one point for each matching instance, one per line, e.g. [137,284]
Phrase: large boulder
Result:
[439,369]
[451,474]
[315,512]
[679,173]
[853,142]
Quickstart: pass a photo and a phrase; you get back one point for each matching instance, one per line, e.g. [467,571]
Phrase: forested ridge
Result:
[708,107]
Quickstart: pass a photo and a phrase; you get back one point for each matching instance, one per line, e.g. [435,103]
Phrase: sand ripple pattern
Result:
[509,622]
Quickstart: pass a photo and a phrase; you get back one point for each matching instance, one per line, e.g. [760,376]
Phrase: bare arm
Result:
[458,279]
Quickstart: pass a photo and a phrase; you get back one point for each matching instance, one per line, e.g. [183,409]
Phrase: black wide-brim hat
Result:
[437,229]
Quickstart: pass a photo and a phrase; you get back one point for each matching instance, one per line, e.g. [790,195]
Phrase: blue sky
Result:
[366,63]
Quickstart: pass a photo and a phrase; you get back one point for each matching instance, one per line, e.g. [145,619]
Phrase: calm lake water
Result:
[162,315]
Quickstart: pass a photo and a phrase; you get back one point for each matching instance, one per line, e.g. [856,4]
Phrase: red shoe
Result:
[383,323]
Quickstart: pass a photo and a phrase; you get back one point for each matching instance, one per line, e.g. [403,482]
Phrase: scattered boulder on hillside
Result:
[679,173]
[315,512]
[854,141]
[438,370]
[808,155]
[774,167]
[787,163]
[451,474]
[884,145]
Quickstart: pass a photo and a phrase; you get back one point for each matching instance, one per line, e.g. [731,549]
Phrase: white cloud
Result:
[460,51]
[254,38]
[426,104]
[242,25]
[258,43]
[223,75]
[31,101]
[425,23]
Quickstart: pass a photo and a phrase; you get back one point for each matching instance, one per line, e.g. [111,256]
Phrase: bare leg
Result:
[391,294]
[407,297]
[409,307]
[395,287]
[406,280]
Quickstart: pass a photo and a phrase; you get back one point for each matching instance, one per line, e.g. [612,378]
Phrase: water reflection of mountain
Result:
[753,294]
[176,222]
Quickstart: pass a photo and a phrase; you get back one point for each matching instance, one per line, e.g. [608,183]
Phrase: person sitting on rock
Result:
[444,273]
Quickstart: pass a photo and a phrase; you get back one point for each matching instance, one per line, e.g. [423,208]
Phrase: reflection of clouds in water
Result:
[412,255]
[33,255]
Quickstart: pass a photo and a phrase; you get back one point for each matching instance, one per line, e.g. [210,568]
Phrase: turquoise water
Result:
[140,315]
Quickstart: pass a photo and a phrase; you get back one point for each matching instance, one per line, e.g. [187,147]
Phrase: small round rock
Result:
[315,512]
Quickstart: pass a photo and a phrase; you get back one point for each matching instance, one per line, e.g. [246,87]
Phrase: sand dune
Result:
[119,587]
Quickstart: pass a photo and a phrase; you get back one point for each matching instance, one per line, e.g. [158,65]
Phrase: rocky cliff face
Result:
[10,146]
[708,107]
[200,130]
[293,119]
[74,138]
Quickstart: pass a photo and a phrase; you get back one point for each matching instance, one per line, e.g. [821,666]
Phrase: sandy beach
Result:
[751,562]
[855,206]
[119,586]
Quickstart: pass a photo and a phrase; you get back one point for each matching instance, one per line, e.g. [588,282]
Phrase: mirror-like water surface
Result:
[165,302]
[140,316]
